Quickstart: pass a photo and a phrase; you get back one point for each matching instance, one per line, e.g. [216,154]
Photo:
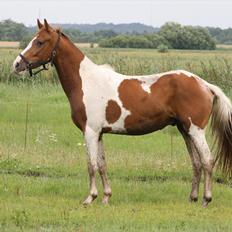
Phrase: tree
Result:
[171,32]
[187,37]
[157,40]
[139,41]
[12,31]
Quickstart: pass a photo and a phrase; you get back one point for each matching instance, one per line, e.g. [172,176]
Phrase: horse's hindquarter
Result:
[192,101]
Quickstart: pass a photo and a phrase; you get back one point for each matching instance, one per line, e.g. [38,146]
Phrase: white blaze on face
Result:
[18,58]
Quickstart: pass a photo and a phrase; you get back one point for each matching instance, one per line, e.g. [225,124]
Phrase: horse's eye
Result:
[39,43]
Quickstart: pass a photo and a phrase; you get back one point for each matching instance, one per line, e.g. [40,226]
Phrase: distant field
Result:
[43,184]
[10,44]
[85,45]
[224,46]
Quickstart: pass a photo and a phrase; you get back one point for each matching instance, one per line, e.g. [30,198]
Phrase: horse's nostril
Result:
[17,65]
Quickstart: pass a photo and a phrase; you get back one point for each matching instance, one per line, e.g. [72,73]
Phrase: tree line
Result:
[170,35]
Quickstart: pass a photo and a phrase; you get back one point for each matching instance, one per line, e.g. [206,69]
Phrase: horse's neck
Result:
[67,64]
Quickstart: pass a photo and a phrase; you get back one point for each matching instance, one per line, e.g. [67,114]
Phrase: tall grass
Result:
[213,66]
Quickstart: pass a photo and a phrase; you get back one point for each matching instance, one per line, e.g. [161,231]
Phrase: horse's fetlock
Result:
[94,195]
[207,199]
[193,198]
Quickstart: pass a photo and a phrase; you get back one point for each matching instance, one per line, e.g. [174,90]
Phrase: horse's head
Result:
[40,51]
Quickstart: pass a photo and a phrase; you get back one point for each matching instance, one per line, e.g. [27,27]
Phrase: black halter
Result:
[32,65]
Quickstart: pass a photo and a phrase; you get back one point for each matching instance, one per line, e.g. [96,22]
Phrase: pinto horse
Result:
[104,101]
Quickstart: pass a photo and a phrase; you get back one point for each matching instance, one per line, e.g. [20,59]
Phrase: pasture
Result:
[43,171]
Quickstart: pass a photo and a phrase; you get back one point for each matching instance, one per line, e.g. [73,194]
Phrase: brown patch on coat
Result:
[113,111]
[174,98]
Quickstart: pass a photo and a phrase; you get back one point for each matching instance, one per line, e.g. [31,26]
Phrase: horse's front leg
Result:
[91,139]
[103,172]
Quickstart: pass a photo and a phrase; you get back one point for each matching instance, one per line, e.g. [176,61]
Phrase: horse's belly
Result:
[140,125]
[145,126]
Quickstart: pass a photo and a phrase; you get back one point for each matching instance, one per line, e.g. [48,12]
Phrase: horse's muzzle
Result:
[19,65]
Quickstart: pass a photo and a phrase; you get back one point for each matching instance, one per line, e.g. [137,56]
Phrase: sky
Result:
[216,13]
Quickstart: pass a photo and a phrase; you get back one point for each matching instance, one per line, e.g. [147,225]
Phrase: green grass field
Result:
[43,184]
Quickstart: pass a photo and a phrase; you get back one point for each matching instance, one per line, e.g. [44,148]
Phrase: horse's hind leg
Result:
[197,136]
[197,167]
[102,171]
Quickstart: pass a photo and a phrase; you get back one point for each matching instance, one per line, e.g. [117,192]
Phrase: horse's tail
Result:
[221,123]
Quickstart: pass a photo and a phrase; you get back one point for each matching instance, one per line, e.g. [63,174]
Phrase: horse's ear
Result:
[40,25]
[46,25]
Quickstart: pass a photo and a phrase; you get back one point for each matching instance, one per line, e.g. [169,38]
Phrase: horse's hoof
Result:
[89,200]
[193,199]
[206,201]
[105,199]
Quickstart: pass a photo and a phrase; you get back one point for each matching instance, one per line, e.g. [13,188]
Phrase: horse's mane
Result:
[58,30]
[107,66]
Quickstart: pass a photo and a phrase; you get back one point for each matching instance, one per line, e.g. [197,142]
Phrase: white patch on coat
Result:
[146,87]
[107,66]
[18,58]
[198,137]
[99,85]
[178,72]
[186,73]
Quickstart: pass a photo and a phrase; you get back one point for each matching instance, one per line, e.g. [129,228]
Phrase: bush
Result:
[139,41]
[126,41]
[162,48]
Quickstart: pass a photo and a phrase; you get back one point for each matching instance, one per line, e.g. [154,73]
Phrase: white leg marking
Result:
[197,136]
[91,138]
